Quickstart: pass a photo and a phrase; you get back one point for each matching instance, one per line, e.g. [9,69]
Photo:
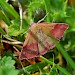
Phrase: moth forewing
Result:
[39,39]
[44,42]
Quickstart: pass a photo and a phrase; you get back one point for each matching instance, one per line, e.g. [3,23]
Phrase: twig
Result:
[13,43]
[9,38]
[16,49]
[21,13]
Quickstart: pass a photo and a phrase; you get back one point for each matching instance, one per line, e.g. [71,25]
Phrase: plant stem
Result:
[21,12]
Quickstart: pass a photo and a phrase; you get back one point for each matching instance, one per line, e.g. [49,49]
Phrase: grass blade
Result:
[2,31]
[60,68]
[47,7]
[5,18]
[35,67]
[64,53]
[9,9]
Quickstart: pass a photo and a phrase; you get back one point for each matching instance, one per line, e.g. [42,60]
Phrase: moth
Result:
[38,40]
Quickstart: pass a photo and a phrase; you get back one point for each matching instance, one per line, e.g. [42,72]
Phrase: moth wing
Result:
[30,48]
[58,30]
[53,29]
[44,43]
[38,40]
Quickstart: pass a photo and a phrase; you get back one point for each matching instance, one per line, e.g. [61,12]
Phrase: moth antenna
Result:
[43,18]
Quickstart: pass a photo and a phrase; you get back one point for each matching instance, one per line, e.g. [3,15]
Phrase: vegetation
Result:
[16,17]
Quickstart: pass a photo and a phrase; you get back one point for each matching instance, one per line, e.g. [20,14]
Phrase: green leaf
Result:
[33,6]
[7,61]
[7,66]
[9,9]
[0,38]
[58,67]
[2,31]
[4,17]
[64,53]
[25,24]
[71,17]
[47,7]
[42,73]
[35,67]
[9,54]
[53,71]
[14,30]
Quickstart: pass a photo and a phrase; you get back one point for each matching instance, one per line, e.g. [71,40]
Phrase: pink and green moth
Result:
[38,41]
